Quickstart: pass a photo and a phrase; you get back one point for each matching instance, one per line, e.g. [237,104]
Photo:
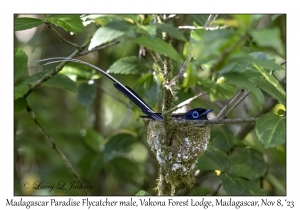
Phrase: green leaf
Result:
[93,139]
[103,19]
[123,169]
[58,81]
[118,145]
[26,23]
[61,81]
[200,19]
[150,29]
[206,44]
[86,93]
[244,67]
[110,32]
[268,38]
[159,46]
[77,70]
[223,139]
[277,184]
[272,91]
[191,77]
[243,19]
[20,91]
[250,158]
[152,94]
[271,79]
[242,170]
[143,193]
[172,31]
[237,186]
[242,81]
[90,164]
[271,130]
[72,23]
[129,65]
[265,60]
[149,89]
[19,105]
[217,91]
[146,79]
[244,63]
[262,56]
[20,63]
[213,159]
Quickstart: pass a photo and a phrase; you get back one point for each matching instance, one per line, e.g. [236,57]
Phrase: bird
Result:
[194,114]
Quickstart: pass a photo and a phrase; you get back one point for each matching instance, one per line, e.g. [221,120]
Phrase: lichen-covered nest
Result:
[178,156]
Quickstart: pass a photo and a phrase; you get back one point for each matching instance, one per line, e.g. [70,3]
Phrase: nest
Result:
[178,156]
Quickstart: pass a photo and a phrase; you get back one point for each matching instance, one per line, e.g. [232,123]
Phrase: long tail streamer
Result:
[127,91]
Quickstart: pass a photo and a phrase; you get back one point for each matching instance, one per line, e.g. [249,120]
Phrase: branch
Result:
[99,48]
[211,28]
[237,103]
[217,190]
[54,146]
[238,95]
[61,37]
[157,59]
[57,69]
[185,102]
[217,121]
[173,16]
[210,19]
[165,187]
[181,72]
[190,27]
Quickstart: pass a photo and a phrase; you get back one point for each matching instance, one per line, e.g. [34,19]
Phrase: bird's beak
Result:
[207,111]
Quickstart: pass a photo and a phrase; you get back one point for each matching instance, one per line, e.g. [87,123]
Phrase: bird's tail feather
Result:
[143,106]
[127,91]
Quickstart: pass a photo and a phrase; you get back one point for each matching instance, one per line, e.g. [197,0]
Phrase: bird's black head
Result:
[197,114]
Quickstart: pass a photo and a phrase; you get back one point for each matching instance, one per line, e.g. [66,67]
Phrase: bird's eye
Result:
[195,114]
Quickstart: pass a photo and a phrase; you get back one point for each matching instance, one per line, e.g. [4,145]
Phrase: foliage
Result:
[105,141]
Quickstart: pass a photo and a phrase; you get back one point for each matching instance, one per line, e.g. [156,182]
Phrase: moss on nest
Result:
[178,156]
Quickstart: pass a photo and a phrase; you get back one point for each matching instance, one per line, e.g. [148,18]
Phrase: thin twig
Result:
[170,17]
[282,63]
[210,19]
[217,190]
[237,103]
[54,146]
[210,28]
[181,72]
[185,102]
[61,37]
[238,95]
[190,27]
[157,59]
[54,71]
[99,48]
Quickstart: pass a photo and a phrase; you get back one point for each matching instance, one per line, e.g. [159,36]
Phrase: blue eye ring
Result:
[195,114]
